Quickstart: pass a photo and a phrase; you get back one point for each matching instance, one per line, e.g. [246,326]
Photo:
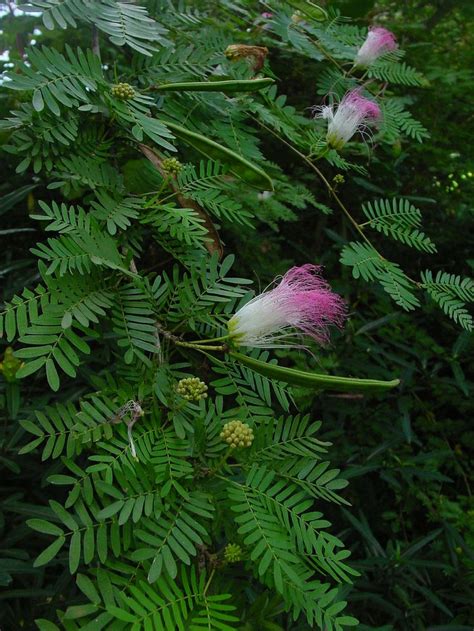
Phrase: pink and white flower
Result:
[353,114]
[302,301]
[378,42]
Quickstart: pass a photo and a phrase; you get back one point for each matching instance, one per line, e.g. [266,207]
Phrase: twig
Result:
[95,41]
[322,177]
[213,571]
[334,195]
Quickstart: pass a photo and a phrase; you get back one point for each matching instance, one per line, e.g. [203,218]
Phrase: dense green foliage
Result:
[151,178]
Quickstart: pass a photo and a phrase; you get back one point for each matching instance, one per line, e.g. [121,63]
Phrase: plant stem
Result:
[179,342]
[222,461]
[95,41]
[213,339]
[213,571]
[199,346]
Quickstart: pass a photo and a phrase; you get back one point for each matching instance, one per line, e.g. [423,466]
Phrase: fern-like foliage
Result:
[169,540]
[395,73]
[135,115]
[39,139]
[57,80]
[265,518]
[451,293]
[62,218]
[303,462]
[64,430]
[206,185]
[400,220]
[52,346]
[183,224]
[330,81]
[367,263]
[128,24]
[254,393]
[121,596]
[281,440]
[124,22]
[169,460]
[132,297]
[305,528]
[85,300]
[206,284]
[134,324]
[80,251]
[277,114]
[17,314]
[181,63]
[76,172]
[116,213]
[397,120]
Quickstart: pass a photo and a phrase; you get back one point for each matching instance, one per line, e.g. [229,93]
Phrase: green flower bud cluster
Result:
[123,91]
[232,553]
[10,365]
[339,179]
[192,389]
[171,165]
[237,434]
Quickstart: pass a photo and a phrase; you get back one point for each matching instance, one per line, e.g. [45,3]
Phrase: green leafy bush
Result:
[175,479]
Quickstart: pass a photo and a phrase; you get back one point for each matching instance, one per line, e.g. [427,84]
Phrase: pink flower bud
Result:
[302,300]
[378,41]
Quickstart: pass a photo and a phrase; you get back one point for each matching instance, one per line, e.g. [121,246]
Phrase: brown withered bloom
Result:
[255,54]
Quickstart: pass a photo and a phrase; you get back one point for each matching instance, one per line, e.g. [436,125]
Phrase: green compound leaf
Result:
[314,380]
[452,293]
[238,165]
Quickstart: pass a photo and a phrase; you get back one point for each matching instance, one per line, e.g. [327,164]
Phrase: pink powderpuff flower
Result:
[302,300]
[378,42]
[267,15]
[353,114]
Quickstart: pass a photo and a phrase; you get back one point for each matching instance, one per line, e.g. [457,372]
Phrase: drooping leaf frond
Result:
[124,22]
[452,293]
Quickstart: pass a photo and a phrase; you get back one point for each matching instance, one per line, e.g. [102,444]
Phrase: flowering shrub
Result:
[183,488]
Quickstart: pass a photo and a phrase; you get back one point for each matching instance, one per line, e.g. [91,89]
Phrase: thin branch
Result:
[358,227]
[95,41]
[322,177]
